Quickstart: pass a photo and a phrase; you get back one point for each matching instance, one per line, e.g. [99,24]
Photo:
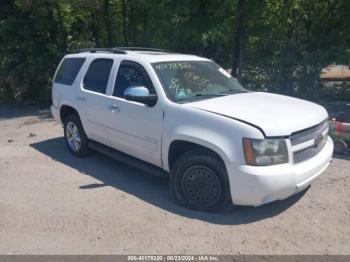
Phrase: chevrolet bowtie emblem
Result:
[318,139]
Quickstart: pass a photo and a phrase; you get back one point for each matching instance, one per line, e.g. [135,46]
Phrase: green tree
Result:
[273,45]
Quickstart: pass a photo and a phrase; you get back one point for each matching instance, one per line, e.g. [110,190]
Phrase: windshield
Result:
[195,80]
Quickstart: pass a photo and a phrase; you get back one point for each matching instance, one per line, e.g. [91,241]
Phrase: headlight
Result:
[264,152]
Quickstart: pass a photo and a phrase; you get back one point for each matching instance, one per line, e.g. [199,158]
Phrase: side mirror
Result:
[140,94]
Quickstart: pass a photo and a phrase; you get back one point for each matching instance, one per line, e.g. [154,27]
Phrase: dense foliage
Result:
[275,45]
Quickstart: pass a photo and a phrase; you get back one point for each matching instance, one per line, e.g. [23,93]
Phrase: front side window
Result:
[96,77]
[130,75]
[195,80]
[68,70]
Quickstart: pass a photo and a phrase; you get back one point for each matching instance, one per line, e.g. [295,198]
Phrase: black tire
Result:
[84,149]
[339,146]
[198,180]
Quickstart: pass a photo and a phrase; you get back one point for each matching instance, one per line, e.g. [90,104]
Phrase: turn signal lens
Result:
[248,151]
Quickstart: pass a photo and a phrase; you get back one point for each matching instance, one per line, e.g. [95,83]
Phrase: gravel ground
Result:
[54,203]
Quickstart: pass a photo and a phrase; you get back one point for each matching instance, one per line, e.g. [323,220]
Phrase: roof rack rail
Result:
[135,48]
[94,50]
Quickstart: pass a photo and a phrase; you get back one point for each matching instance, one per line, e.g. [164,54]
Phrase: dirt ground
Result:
[54,203]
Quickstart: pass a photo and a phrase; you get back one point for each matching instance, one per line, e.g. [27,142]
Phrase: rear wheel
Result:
[75,136]
[199,181]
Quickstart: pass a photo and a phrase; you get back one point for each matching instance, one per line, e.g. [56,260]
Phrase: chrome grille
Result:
[309,152]
[308,134]
[312,133]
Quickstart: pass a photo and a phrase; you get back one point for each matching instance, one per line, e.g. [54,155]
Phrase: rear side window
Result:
[68,70]
[96,78]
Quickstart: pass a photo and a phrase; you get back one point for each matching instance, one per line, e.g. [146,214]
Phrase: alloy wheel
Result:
[73,136]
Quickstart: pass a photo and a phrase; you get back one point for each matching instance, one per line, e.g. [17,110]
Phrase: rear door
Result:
[93,98]
[134,128]
[63,88]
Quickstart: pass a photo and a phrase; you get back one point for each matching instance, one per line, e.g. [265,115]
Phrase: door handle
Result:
[80,98]
[113,108]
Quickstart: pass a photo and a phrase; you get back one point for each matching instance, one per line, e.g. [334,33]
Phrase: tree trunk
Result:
[132,25]
[239,40]
[63,30]
[108,24]
[124,23]
[288,53]
[94,29]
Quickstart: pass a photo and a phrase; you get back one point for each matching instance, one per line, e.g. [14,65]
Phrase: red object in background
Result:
[341,124]
[338,128]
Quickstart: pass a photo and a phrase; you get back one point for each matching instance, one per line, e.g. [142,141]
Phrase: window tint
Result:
[68,70]
[96,78]
[129,75]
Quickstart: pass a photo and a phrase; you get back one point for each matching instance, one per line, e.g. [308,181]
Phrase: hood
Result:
[276,115]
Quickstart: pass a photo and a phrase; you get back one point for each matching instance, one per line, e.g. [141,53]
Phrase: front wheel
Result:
[199,181]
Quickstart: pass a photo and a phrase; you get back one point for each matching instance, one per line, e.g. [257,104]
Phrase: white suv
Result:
[185,116]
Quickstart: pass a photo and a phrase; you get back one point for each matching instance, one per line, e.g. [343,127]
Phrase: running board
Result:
[129,160]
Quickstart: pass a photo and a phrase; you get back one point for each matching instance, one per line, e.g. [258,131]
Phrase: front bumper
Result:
[258,185]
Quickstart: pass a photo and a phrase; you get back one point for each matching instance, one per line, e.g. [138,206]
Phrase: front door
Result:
[134,128]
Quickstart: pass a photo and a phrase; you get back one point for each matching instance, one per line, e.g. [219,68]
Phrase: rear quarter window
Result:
[68,70]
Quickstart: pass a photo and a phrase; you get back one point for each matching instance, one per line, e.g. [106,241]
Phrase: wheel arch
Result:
[179,146]
[66,110]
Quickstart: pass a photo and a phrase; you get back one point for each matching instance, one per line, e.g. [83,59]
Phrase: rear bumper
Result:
[255,186]
[55,113]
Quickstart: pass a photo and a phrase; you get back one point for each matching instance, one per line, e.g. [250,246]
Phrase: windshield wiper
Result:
[232,91]
[196,96]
